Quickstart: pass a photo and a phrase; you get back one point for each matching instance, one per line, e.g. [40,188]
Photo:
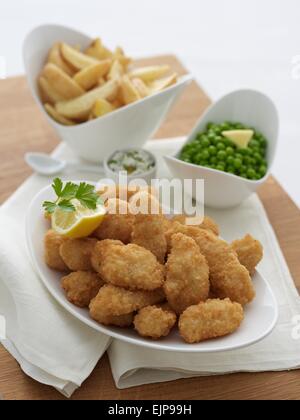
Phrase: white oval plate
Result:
[260,316]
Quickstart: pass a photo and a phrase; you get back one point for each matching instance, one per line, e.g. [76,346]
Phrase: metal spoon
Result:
[44,164]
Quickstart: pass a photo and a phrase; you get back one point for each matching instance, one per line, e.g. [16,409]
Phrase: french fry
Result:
[123,59]
[77,86]
[101,81]
[56,116]
[98,50]
[141,87]
[61,82]
[149,74]
[117,103]
[89,76]
[48,93]
[129,93]
[116,71]
[55,57]
[81,107]
[76,58]
[164,83]
[102,107]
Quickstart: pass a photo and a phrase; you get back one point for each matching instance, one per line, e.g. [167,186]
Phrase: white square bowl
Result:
[130,126]
[249,107]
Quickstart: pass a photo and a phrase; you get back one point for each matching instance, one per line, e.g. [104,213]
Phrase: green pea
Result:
[205,154]
[251,173]
[247,160]
[262,170]
[220,145]
[213,160]
[220,167]
[221,155]
[257,157]
[205,142]
[238,126]
[230,160]
[229,150]
[212,150]
[237,163]
[253,144]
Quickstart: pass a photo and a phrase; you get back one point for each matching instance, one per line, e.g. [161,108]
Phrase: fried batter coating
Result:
[210,319]
[208,223]
[148,232]
[76,253]
[100,249]
[117,223]
[52,243]
[249,252]
[187,274]
[228,277]
[130,266]
[122,321]
[154,322]
[115,301]
[81,287]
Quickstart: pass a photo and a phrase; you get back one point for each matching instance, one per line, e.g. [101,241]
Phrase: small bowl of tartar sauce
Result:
[134,164]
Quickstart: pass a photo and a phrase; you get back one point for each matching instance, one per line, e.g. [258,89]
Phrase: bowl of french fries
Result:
[97,99]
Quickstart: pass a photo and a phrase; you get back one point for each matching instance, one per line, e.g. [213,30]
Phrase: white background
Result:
[225,44]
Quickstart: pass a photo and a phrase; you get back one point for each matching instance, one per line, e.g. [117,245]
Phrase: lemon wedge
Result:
[241,138]
[79,223]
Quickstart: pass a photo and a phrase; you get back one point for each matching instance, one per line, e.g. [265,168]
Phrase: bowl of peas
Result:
[232,148]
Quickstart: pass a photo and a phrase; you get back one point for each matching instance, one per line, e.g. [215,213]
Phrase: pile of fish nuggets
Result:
[154,273]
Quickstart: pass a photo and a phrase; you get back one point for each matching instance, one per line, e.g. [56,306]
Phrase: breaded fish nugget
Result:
[52,243]
[208,223]
[249,252]
[210,319]
[228,277]
[154,322]
[122,321]
[81,287]
[187,274]
[99,251]
[76,253]
[115,301]
[117,223]
[132,267]
[148,232]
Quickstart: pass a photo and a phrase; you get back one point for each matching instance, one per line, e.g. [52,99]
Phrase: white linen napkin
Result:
[50,345]
[56,349]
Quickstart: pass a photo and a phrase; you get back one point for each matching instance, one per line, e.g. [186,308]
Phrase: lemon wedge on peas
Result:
[240,138]
[79,223]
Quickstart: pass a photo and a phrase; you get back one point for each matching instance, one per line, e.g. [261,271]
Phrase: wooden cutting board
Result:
[23,128]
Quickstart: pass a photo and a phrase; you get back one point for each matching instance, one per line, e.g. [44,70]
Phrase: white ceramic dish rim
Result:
[182,79]
[136,341]
[108,170]
[191,137]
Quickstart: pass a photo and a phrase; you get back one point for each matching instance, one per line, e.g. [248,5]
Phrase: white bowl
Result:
[130,126]
[249,107]
[260,316]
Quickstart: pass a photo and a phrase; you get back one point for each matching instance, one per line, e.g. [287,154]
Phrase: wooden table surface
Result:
[23,128]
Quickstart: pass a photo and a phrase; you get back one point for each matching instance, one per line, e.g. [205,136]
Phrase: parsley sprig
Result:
[84,193]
